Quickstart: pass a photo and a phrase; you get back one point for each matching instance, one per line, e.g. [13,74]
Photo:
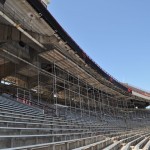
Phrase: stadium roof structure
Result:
[138,92]
[31,24]
[73,46]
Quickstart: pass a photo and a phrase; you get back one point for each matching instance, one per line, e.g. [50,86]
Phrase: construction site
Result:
[53,96]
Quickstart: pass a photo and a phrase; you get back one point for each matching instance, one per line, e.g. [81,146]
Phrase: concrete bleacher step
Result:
[7,111]
[107,144]
[33,116]
[119,140]
[38,116]
[28,115]
[22,118]
[36,120]
[16,107]
[32,131]
[133,142]
[15,118]
[113,135]
[123,136]
[26,119]
[10,102]
[114,146]
[4,123]
[25,140]
[141,144]
[61,145]
[147,145]
[79,123]
[97,145]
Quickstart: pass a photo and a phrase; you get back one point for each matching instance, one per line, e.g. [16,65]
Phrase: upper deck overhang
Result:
[35,22]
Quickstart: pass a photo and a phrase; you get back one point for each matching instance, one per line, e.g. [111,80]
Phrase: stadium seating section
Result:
[27,127]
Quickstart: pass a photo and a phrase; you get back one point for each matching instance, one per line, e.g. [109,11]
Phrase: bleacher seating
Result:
[27,127]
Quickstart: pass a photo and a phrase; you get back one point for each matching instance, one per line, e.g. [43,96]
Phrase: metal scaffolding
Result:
[64,92]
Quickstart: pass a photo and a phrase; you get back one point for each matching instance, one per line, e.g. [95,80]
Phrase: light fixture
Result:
[55,95]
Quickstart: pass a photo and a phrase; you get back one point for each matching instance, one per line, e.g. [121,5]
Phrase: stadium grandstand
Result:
[55,97]
[138,92]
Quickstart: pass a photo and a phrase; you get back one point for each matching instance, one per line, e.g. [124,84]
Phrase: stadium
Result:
[53,96]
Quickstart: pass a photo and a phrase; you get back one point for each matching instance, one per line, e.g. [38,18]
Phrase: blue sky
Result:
[114,33]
